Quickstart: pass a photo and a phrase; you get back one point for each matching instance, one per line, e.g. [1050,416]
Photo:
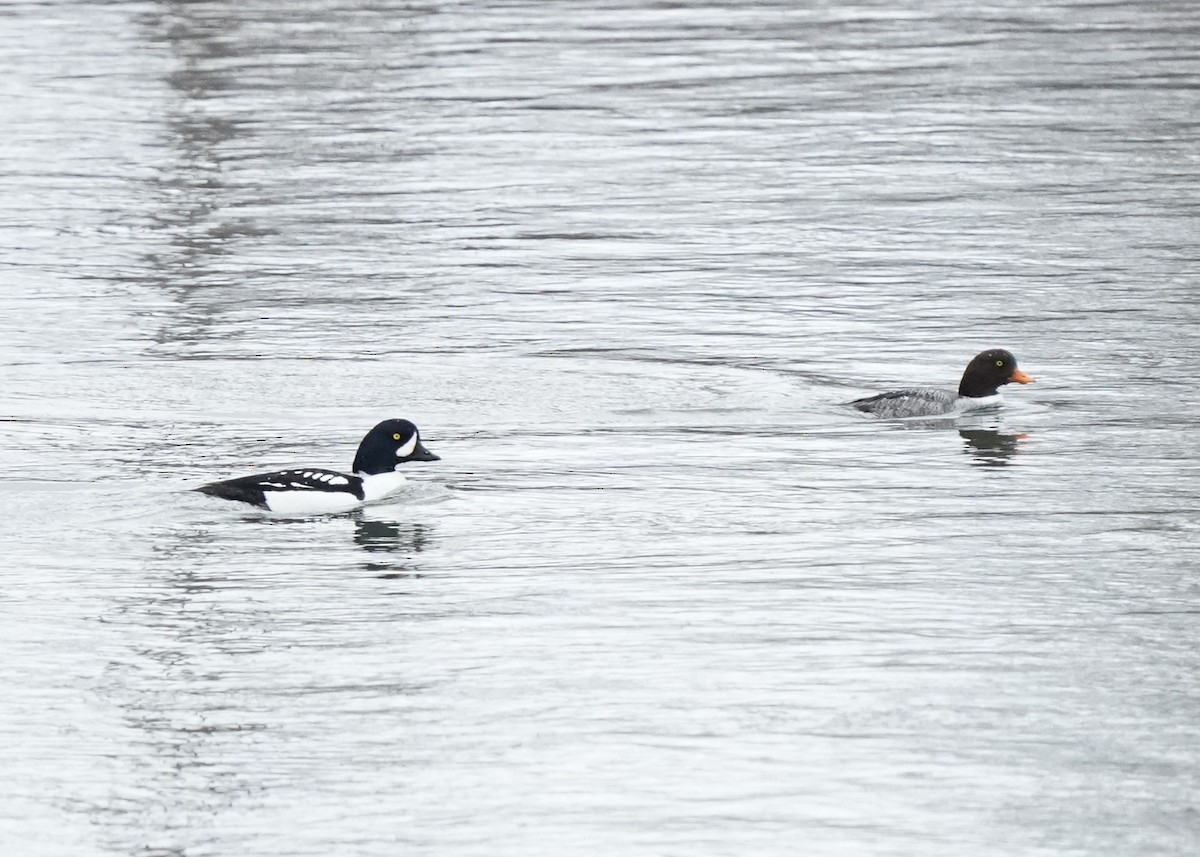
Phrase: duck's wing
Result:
[913,402]
[253,489]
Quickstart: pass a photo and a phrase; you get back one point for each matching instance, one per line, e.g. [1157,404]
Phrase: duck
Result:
[980,386]
[316,490]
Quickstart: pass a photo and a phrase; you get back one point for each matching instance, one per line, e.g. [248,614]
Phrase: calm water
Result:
[621,262]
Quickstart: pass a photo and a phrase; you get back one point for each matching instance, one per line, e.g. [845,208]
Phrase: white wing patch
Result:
[303,480]
[309,492]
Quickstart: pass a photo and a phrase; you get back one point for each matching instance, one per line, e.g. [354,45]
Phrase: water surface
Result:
[622,263]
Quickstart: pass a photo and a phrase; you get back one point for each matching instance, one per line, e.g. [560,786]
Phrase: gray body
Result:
[914,402]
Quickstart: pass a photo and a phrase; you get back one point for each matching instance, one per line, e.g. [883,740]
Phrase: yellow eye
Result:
[999,362]
[396,436]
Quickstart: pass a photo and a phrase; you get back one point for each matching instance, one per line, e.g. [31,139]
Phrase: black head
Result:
[988,371]
[390,443]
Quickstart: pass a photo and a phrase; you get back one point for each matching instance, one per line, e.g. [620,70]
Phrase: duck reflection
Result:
[990,447]
[391,544]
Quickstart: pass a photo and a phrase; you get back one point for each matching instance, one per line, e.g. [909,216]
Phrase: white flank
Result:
[310,502]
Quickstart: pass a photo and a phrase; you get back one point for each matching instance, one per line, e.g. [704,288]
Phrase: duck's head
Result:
[988,371]
[388,445]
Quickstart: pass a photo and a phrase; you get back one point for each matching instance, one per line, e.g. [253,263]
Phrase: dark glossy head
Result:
[988,371]
[390,443]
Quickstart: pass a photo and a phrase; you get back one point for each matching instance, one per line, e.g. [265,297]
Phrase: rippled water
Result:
[623,263]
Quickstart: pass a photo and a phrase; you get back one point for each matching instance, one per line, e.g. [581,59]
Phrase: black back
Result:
[252,489]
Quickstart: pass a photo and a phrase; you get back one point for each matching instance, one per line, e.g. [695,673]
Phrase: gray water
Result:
[623,263]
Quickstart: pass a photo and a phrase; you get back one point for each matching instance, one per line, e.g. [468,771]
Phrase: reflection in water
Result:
[185,713]
[378,537]
[200,626]
[990,447]
[192,193]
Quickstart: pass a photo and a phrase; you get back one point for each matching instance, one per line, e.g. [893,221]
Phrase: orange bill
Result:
[1020,377]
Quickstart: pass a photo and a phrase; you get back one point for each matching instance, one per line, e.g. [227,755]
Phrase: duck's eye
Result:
[999,362]
[396,436]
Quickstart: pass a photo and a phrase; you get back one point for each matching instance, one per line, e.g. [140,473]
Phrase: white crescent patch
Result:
[406,449]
